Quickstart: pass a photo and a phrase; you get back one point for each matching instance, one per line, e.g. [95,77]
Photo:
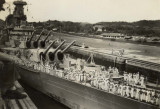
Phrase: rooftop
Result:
[112,34]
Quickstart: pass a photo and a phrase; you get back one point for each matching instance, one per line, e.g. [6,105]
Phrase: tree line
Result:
[144,27]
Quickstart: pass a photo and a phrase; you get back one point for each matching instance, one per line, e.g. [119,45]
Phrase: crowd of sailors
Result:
[127,85]
[132,86]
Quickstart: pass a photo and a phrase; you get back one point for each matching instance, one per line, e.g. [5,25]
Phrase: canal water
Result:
[108,44]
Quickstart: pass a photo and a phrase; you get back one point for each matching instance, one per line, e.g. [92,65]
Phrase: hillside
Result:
[141,23]
[143,27]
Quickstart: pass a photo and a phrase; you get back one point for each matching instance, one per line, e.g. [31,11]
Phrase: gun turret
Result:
[42,44]
[28,43]
[42,55]
[60,54]
[51,55]
[35,43]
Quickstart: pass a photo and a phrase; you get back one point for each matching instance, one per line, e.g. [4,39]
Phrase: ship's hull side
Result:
[75,95]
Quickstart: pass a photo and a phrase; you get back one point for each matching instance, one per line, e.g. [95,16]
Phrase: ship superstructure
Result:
[18,27]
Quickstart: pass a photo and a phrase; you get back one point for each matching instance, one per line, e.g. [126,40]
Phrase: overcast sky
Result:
[91,11]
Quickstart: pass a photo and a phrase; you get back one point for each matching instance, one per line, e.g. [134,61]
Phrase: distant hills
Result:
[141,23]
[148,23]
[144,27]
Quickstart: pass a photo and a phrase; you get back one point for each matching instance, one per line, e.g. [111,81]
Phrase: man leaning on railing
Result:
[8,81]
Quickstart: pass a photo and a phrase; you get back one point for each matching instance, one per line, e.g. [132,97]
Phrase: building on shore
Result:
[113,35]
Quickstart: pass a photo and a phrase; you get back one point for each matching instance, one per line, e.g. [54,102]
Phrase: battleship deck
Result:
[67,91]
[76,95]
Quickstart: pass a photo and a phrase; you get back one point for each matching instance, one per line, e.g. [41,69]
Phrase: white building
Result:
[113,35]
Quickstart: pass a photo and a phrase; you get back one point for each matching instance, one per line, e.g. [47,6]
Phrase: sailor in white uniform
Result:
[130,78]
[132,92]
[138,94]
[109,69]
[153,92]
[148,97]
[137,78]
[158,100]
[78,78]
[127,90]
[124,90]
[107,85]
[114,89]
[141,95]
[119,89]
[111,87]
[142,81]
[125,76]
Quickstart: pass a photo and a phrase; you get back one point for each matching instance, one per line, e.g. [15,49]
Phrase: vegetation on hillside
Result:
[143,27]
[66,26]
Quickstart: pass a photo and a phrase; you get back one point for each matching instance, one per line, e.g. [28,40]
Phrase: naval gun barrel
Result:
[32,36]
[51,55]
[47,35]
[49,46]
[60,54]
[28,43]
[40,35]
[35,43]
[43,54]
[59,47]
[68,46]
[43,43]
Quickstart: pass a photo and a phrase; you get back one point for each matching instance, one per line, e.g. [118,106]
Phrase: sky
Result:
[91,11]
